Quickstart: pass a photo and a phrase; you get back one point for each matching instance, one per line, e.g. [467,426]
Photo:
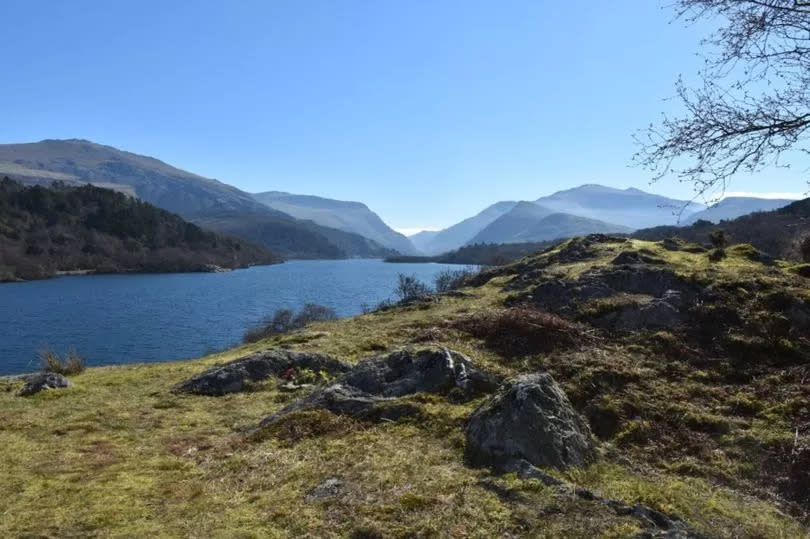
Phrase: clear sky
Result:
[427,111]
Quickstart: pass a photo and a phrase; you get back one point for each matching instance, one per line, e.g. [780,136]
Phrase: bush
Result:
[70,363]
[286,320]
[448,280]
[804,248]
[410,288]
[718,238]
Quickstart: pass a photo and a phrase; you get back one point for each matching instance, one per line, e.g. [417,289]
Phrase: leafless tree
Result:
[752,109]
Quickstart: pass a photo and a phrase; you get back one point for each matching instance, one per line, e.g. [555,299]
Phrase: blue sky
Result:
[427,111]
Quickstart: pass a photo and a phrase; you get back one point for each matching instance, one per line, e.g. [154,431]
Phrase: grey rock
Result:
[372,389]
[44,381]
[530,418]
[425,370]
[328,489]
[235,376]
[659,313]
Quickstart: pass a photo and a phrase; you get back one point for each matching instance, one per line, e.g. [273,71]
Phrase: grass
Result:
[118,454]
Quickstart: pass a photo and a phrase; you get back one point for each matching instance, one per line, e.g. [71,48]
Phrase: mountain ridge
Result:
[205,201]
[349,216]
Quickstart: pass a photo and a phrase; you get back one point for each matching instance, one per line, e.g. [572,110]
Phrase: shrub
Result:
[718,238]
[804,248]
[448,280]
[522,331]
[286,320]
[410,288]
[69,364]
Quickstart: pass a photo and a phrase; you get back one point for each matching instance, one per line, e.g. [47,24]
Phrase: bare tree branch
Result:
[754,102]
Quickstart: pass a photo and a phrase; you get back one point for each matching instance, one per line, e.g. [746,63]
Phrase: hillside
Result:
[479,254]
[292,238]
[780,233]
[632,208]
[529,222]
[81,161]
[353,217]
[207,202]
[682,379]
[733,207]
[47,230]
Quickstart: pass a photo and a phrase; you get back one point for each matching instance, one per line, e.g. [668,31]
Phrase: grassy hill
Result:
[691,370]
[781,233]
[47,230]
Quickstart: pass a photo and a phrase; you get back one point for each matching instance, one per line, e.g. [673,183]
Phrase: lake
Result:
[115,319]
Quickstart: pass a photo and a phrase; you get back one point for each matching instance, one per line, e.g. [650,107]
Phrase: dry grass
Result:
[521,331]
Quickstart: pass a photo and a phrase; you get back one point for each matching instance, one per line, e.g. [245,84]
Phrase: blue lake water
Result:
[114,319]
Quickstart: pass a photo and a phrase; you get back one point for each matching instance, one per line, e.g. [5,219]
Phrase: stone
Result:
[328,489]
[236,376]
[372,390]
[44,381]
[419,370]
[530,418]
[658,313]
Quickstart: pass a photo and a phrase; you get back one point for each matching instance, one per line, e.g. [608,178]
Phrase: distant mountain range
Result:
[630,208]
[529,222]
[453,237]
[204,201]
[304,226]
[581,210]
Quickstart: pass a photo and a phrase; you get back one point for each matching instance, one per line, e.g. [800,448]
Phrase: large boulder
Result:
[529,419]
[237,375]
[44,381]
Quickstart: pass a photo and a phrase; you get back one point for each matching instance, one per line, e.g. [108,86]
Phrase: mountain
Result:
[352,217]
[461,233]
[62,228]
[81,161]
[201,200]
[422,240]
[631,207]
[733,207]
[529,222]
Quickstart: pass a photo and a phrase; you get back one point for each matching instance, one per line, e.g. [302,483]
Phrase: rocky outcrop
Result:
[372,389]
[44,381]
[236,376]
[425,370]
[529,419]
[665,312]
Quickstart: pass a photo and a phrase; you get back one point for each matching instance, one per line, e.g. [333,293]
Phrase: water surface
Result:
[114,319]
